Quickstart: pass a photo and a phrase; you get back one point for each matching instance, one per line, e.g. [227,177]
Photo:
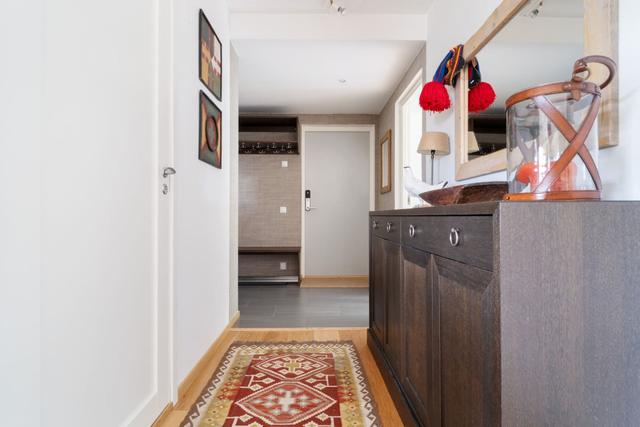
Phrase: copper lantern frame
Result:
[576,88]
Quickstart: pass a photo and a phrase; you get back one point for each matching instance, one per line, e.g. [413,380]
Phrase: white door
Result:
[106,224]
[158,391]
[410,121]
[337,173]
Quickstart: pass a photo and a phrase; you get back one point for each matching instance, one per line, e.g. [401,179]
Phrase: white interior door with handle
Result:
[337,179]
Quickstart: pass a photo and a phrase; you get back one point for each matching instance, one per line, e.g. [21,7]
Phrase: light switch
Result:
[285,163]
[283,209]
[283,266]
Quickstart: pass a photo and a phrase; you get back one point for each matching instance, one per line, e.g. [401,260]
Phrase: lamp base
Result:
[554,195]
[433,154]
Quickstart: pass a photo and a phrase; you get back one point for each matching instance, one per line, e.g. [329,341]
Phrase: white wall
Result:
[387,120]
[468,16]
[234,108]
[21,86]
[202,194]
[618,165]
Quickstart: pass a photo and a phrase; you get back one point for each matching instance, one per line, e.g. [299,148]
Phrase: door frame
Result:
[371,129]
[398,151]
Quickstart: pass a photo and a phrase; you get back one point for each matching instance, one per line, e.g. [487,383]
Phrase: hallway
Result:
[161,158]
[386,409]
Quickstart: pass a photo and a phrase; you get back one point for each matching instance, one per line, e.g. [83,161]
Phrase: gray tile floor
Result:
[279,306]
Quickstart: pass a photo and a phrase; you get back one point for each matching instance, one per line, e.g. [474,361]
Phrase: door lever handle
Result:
[168,171]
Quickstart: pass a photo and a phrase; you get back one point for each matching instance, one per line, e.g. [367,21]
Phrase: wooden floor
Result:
[386,409]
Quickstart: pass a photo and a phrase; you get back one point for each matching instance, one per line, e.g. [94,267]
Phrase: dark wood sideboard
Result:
[508,314]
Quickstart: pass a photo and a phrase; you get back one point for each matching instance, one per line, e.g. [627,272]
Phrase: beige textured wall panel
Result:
[265,186]
[265,265]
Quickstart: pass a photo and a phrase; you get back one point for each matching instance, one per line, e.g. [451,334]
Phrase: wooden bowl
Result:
[469,193]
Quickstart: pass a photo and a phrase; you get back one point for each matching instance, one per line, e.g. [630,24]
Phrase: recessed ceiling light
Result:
[342,81]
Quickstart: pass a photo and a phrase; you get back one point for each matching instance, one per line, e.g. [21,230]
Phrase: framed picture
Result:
[210,57]
[210,144]
[386,163]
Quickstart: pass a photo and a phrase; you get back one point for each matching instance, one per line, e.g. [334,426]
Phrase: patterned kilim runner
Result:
[315,384]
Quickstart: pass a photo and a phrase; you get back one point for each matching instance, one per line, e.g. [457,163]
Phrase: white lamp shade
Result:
[437,142]
[472,143]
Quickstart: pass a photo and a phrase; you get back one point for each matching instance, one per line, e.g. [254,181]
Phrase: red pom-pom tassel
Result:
[481,96]
[434,97]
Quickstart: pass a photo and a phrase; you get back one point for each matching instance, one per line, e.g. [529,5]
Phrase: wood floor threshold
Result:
[301,329]
[334,282]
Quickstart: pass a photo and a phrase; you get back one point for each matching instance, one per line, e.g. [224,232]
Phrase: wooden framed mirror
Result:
[522,44]
[386,163]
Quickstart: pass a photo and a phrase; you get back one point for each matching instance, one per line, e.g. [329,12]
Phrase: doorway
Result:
[337,167]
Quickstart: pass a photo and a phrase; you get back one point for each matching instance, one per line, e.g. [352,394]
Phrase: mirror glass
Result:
[539,45]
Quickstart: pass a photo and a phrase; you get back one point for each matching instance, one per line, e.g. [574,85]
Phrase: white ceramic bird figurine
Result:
[415,187]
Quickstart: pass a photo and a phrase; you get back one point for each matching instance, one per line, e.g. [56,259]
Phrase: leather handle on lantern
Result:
[580,66]
[575,139]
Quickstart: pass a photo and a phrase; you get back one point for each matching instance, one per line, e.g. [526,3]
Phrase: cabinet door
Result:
[395,301]
[420,380]
[467,310]
[377,289]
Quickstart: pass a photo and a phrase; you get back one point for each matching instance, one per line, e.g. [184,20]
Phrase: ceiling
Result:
[322,6]
[294,76]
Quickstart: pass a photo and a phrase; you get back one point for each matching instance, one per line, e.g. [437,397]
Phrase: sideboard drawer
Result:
[386,227]
[468,239]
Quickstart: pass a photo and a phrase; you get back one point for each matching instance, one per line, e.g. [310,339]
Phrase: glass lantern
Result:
[552,138]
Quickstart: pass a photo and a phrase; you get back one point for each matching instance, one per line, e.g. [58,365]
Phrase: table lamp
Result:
[434,143]
[472,143]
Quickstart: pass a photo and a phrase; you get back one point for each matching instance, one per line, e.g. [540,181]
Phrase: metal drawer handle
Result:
[412,231]
[389,224]
[454,236]
[375,225]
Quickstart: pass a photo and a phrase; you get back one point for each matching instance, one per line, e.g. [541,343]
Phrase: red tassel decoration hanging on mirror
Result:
[481,96]
[435,97]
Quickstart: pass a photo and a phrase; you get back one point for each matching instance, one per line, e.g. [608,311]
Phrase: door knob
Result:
[168,171]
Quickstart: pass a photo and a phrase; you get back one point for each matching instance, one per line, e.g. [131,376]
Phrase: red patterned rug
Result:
[315,384]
